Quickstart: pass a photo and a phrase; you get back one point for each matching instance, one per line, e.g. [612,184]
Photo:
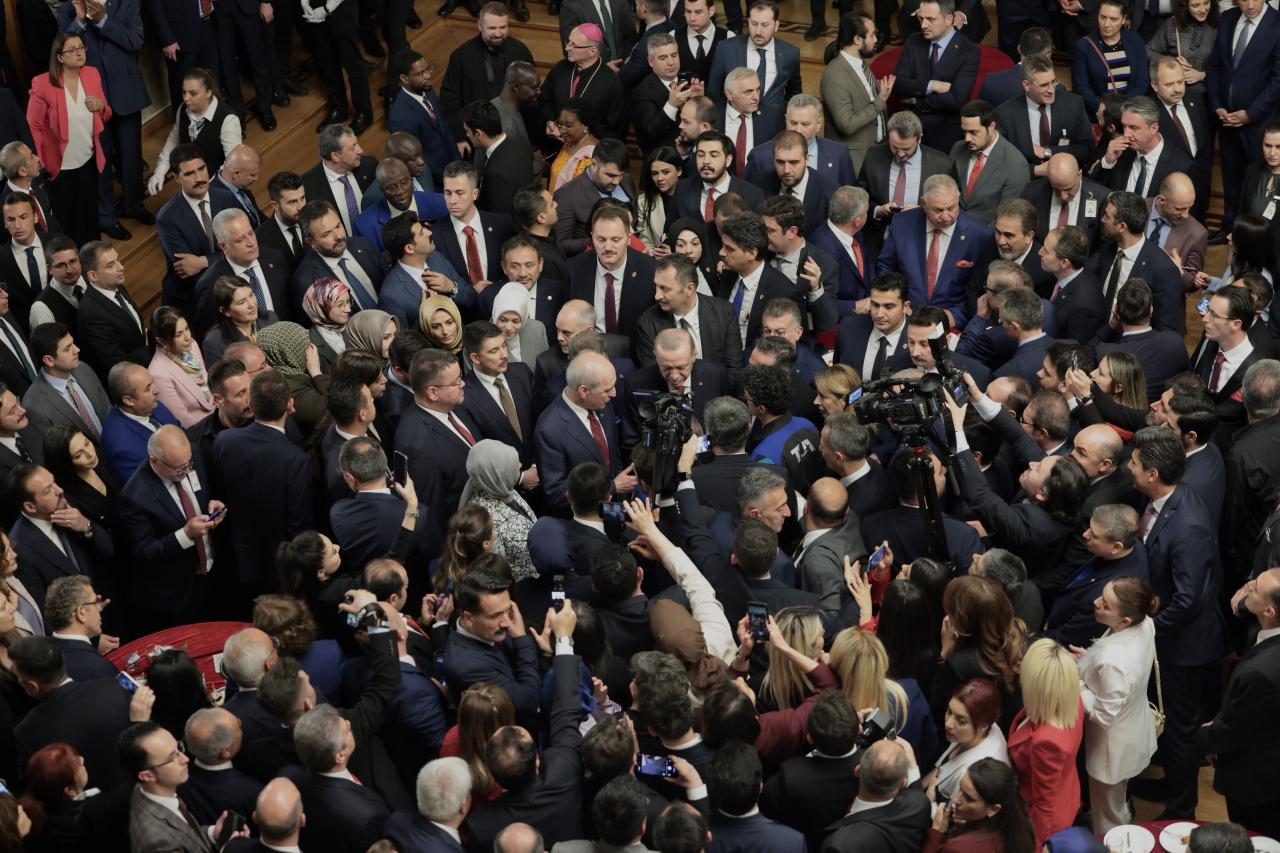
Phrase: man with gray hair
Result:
[519,838]
[825,156]
[1138,160]
[885,806]
[1118,552]
[656,101]
[367,523]
[73,615]
[676,369]
[444,799]
[1253,466]
[895,170]
[133,420]
[213,738]
[744,117]
[938,247]
[845,444]
[241,255]
[842,238]
[20,167]
[246,658]
[1008,570]
[726,424]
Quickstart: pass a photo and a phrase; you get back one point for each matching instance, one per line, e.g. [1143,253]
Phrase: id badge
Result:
[194,480]
[1091,208]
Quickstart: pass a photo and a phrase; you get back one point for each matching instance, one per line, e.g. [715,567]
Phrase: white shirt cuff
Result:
[962,441]
[564,645]
[987,408]
[669,111]
[697,792]
[183,539]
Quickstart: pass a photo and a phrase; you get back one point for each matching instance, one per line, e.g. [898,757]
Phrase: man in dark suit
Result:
[88,715]
[23,259]
[20,442]
[20,172]
[727,425]
[841,237]
[937,247]
[1061,124]
[499,392]
[237,176]
[888,814]
[335,254]
[616,280]
[167,518]
[1185,123]
[1018,242]
[584,72]
[449,781]
[399,196]
[17,366]
[418,270]
[188,41]
[1066,197]
[278,816]
[1128,254]
[1182,554]
[656,101]
[775,63]
[652,17]
[477,67]
[606,177]
[1138,160]
[213,737]
[1078,309]
[266,270]
[522,262]
[158,818]
[342,175]
[185,226]
[1240,735]
[676,369]
[1172,227]
[265,480]
[541,790]
[845,445]
[827,157]
[748,282]
[936,73]
[1019,42]
[109,324]
[715,158]
[65,392]
[735,781]
[470,239]
[617,22]
[505,164]
[700,37]
[246,657]
[1243,89]
[867,341]
[709,319]
[73,615]
[1163,354]
[281,231]
[791,176]
[894,172]
[1252,470]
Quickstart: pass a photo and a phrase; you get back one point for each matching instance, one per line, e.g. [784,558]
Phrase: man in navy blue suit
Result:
[185,226]
[825,156]
[471,239]
[775,62]
[417,110]
[73,615]
[791,176]
[936,73]
[841,237]
[1000,86]
[1182,554]
[499,394]
[615,279]
[335,254]
[734,784]
[212,737]
[188,38]
[938,247]
[1022,318]
[265,480]
[749,283]
[522,262]
[984,337]
[715,157]
[444,800]
[134,418]
[1078,309]
[244,256]
[1129,254]
[580,425]
[398,196]
[1243,88]
[417,271]
[1163,354]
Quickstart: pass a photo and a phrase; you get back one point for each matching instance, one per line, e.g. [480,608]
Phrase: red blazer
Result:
[977,841]
[1045,758]
[47,115]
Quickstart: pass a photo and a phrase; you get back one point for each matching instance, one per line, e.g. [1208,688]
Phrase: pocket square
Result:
[964,265]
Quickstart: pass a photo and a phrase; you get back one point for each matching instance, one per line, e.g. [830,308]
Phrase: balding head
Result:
[590,381]
[1097,448]
[403,146]
[882,772]
[389,170]
[246,657]
[1176,198]
[518,838]
[827,506]
[169,453]
[279,813]
[213,735]
[1063,172]
[241,167]
[575,316]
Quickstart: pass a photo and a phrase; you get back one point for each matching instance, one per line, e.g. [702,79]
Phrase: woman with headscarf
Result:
[688,237]
[440,321]
[493,472]
[526,337]
[291,354]
[328,303]
[371,331]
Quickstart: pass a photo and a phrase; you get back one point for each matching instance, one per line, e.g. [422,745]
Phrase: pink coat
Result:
[178,389]
[47,115]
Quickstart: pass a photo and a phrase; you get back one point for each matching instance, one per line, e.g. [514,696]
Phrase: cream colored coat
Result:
[1119,735]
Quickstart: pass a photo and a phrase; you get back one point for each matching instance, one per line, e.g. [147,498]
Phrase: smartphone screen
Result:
[758,616]
[400,467]
[213,516]
[126,681]
[557,593]
[613,511]
[875,558]
[656,765]
[704,443]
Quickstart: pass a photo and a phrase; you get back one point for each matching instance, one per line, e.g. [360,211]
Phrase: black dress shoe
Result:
[268,122]
[280,99]
[413,22]
[295,89]
[142,217]
[814,33]
[522,11]
[448,7]
[334,116]
[361,123]
[116,232]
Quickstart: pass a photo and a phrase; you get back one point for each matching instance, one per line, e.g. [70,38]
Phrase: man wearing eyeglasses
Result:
[73,615]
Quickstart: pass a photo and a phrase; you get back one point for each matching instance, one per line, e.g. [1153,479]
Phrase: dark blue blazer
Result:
[852,338]
[732,53]
[561,442]
[817,195]
[438,147]
[1206,476]
[208,793]
[437,459]
[369,224]
[1163,354]
[833,161]
[511,665]
[124,440]
[939,112]
[393,402]
[415,723]
[1089,73]
[366,527]
[1182,555]
[180,232]
[113,50]
[1155,268]
[163,573]
[255,721]
[1071,621]
[42,563]
[755,834]
[89,715]
[637,288]
[401,294]
[1079,309]
[1026,360]
[413,833]
[346,815]
[175,21]
[1001,86]
[275,272]
[636,66]
[489,418]
[83,661]
[1253,85]
[497,230]
[902,526]
[312,267]
[905,252]
[688,196]
[552,295]
[986,341]
[265,480]
[852,286]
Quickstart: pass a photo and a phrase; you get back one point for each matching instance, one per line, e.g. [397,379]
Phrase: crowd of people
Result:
[839,480]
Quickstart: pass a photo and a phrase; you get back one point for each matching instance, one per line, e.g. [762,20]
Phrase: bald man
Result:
[166,517]
[398,196]
[519,838]
[246,657]
[279,817]
[1065,184]
[213,737]
[237,176]
[830,534]
[1171,224]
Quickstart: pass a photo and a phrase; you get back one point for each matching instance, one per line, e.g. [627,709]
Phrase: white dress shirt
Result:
[474,222]
[732,118]
[356,270]
[262,280]
[20,258]
[230,133]
[1232,359]
[79,130]
[110,296]
[913,164]
[771,56]
[692,319]
[750,282]
[339,193]
[873,344]
[722,186]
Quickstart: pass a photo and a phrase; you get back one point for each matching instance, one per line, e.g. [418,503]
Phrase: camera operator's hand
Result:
[975,393]
[688,454]
[357,600]
[686,774]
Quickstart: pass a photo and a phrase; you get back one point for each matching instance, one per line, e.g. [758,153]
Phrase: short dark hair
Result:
[755,545]
[40,659]
[461,169]
[398,233]
[769,387]
[614,573]
[833,723]
[1239,304]
[186,152]
[1194,411]
[344,399]
[483,116]
[892,282]
[527,204]
[45,338]
[853,25]
[721,139]
[282,181]
[619,810]
[512,758]
[404,346]
[1133,302]
[746,228]
[613,152]
[129,749]
[1035,41]
[269,396]
[587,485]
[981,110]
[679,830]
[905,482]
[1221,837]
[1161,451]
[607,750]
[427,367]
[1073,246]
[1061,354]
[786,210]
[313,210]
[475,584]
[476,333]
[735,777]
[1131,210]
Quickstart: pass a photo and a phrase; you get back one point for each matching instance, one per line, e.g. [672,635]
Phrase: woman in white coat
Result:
[973,731]
[1120,736]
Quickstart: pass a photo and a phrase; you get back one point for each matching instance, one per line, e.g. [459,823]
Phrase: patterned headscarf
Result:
[428,308]
[365,329]
[285,346]
[320,298]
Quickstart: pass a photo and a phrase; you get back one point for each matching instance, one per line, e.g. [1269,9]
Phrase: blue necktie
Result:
[358,293]
[1158,230]
[762,70]
[353,209]
[250,209]
[256,286]
[737,298]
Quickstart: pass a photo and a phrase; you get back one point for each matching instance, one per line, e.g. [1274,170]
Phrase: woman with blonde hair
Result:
[785,685]
[860,661]
[834,384]
[482,710]
[1045,737]
[980,638]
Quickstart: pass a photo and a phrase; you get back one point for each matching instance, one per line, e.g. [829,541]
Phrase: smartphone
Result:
[1202,307]
[233,823]
[126,681]
[399,467]
[704,443]
[656,765]
[216,514]
[610,511]
[875,558]
[557,593]
[960,393]
[684,77]
[440,668]
[1075,360]
[758,619]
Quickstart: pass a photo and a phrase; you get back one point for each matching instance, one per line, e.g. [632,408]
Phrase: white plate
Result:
[1130,838]
[1262,844]
[1171,836]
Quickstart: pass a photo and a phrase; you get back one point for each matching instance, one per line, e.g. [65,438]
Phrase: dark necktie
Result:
[359,292]
[882,352]
[933,61]
[190,819]
[349,195]
[66,547]
[1182,128]
[207,224]
[761,70]
[190,511]
[255,284]
[1216,376]
[1139,187]
[610,308]
[602,444]
[33,272]
[1046,136]
[124,306]
[1158,230]
[701,53]
[21,447]
[19,351]
[610,37]
[295,240]
[250,209]
[1113,280]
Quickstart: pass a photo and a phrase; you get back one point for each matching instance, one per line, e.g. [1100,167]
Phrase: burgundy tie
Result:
[1148,515]
[1216,375]
[931,262]
[1045,136]
[740,152]
[1182,128]
[710,212]
[610,308]
[461,430]
[1064,211]
[474,271]
[189,510]
[900,191]
[597,433]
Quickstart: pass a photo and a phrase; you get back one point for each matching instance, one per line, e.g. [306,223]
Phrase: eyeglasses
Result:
[71,50]
[63,265]
[458,384]
[183,469]
[97,602]
[580,46]
[173,756]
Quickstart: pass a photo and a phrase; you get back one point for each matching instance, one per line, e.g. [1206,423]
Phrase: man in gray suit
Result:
[831,534]
[66,392]
[986,166]
[853,101]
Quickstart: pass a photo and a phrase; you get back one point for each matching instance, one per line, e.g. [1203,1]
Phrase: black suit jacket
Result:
[491,421]
[497,230]
[107,334]
[42,563]
[708,381]
[637,288]
[1069,128]
[717,479]
[1252,484]
[507,171]
[413,833]
[271,237]
[653,126]
[688,197]
[316,185]
[1079,311]
[765,124]
[1233,735]
[1172,159]
[12,371]
[312,267]
[811,792]
[1071,618]
[21,295]
[772,285]
[1154,267]
[874,178]
[872,492]
[255,721]
[83,661]
[940,111]
[89,715]
[701,68]
[437,459]
[817,196]
[852,338]
[1228,399]
[899,827]
[1201,131]
[1163,354]
[276,269]
[1040,194]
[210,792]
[718,332]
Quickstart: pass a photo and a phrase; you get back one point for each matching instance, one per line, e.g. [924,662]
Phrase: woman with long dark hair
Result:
[79,471]
[662,170]
[986,816]
[575,128]
[179,688]
[239,316]
[178,367]
[980,639]
[1188,35]
[908,627]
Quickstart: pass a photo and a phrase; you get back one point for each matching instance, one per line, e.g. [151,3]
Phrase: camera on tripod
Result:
[912,402]
[666,424]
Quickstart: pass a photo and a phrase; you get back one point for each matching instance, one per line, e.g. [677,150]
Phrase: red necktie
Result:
[709,213]
[573,85]
[1045,136]
[206,8]
[931,262]
[474,271]
[1144,524]
[1064,211]
[189,510]
[857,258]
[1216,375]
[900,191]
[974,173]
[597,433]
[461,430]
[740,152]
[40,220]
[431,111]
[610,309]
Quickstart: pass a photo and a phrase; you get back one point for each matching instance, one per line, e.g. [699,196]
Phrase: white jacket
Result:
[1119,735]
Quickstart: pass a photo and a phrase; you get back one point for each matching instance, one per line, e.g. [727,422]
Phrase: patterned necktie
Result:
[190,511]
[508,406]
[931,260]
[602,444]
[207,224]
[21,447]
[255,284]
[475,271]
[82,409]
[1158,230]
[610,306]
[353,206]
